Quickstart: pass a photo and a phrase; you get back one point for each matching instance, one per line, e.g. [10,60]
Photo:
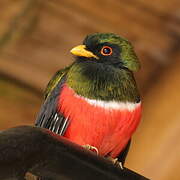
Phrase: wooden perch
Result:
[30,149]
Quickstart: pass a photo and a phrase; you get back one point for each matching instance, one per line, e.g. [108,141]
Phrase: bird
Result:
[95,101]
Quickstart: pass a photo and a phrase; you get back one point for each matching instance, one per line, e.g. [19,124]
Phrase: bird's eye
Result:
[106,51]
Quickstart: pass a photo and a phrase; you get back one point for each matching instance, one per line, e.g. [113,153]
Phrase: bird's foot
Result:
[115,162]
[91,148]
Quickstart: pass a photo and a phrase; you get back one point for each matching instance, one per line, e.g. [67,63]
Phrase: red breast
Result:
[108,126]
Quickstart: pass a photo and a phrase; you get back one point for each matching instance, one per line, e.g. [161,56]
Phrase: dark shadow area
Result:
[30,149]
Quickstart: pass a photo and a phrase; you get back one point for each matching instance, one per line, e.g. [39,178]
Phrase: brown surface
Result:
[60,26]
[40,35]
[18,105]
[156,144]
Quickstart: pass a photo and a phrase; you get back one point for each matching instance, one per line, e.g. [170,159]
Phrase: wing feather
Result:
[49,117]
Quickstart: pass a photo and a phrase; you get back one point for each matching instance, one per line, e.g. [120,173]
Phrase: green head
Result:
[108,48]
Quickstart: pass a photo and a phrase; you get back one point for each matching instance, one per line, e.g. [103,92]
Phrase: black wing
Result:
[49,117]
[122,156]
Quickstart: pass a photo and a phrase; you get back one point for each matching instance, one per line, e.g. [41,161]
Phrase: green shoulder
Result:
[54,81]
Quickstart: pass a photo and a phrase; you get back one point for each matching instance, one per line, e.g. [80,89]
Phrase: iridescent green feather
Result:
[54,81]
[95,82]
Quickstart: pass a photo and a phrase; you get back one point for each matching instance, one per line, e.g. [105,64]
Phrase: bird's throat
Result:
[102,82]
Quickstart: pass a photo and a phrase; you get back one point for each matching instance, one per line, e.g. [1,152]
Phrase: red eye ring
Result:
[106,51]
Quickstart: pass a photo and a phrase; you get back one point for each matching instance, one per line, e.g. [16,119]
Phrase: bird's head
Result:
[108,48]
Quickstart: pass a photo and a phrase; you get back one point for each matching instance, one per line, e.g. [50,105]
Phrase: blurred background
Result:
[35,39]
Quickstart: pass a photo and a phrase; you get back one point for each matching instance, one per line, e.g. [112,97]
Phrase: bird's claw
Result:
[91,148]
[116,162]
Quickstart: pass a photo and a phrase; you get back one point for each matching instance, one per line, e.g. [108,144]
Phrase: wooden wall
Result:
[35,39]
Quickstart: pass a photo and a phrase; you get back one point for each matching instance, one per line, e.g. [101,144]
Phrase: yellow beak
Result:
[81,51]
